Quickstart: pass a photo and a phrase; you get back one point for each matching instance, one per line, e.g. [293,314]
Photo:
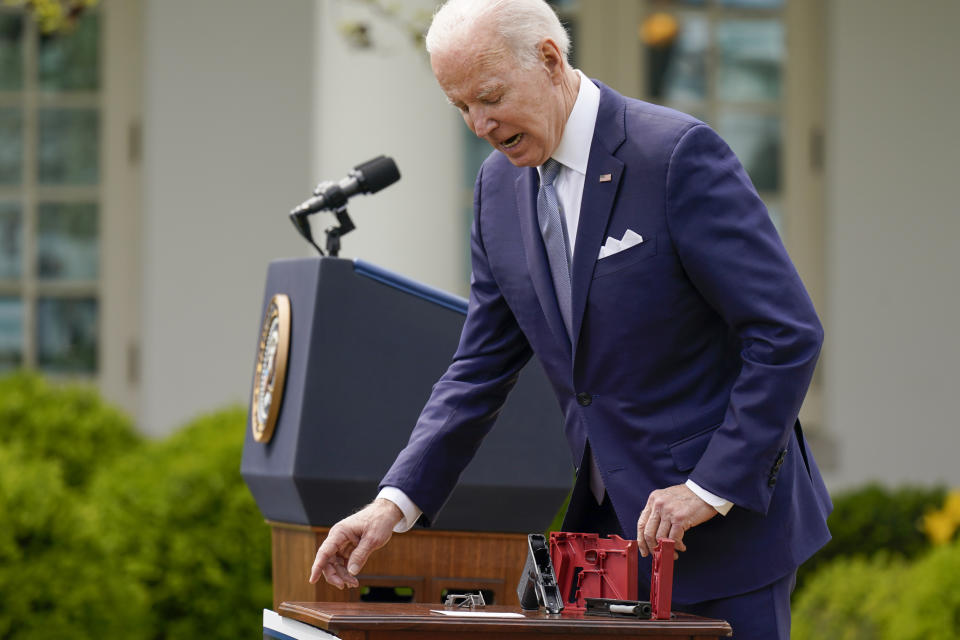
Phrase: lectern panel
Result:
[366,347]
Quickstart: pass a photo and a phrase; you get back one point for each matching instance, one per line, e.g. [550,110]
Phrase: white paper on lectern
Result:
[476,614]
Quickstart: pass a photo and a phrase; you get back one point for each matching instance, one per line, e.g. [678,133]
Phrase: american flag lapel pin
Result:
[606,177]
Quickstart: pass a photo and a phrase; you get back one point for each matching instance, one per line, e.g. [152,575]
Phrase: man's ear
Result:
[551,59]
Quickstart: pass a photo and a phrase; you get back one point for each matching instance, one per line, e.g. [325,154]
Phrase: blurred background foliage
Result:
[185,527]
[68,426]
[873,520]
[884,597]
[54,16]
[106,534]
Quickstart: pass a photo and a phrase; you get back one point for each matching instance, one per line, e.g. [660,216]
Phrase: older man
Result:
[623,245]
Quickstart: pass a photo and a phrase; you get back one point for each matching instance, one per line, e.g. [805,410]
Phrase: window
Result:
[50,181]
[723,62]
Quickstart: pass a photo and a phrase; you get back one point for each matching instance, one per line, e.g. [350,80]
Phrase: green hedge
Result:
[882,598]
[847,600]
[69,425]
[875,519]
[104,535]
[929,598]
[55,579]
[178,518]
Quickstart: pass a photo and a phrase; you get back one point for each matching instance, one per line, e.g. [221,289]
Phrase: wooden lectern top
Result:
[382,620]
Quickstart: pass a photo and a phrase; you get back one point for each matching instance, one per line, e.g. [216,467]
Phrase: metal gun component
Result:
[538,583]
[465,600]
[618,608]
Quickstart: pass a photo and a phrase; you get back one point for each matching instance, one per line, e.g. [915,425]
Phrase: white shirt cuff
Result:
[722,506]
[410,511]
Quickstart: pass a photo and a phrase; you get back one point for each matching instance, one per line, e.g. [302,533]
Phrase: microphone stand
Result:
[334,233]
[345,226]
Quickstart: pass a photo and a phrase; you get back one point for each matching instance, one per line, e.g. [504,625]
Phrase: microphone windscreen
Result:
[377,173]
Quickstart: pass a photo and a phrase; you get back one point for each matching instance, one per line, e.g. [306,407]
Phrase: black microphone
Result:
[366,177]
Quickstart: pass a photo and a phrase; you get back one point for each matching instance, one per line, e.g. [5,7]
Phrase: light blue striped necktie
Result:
[554,238]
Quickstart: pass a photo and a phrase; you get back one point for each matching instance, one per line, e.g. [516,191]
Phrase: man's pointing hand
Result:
[351,541]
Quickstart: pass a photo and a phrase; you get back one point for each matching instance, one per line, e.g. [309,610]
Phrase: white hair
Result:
[523,24]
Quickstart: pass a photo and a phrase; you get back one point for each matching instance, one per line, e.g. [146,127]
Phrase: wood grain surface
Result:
[355,620]
[425,560]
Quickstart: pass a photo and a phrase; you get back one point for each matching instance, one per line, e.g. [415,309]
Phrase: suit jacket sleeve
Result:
[732,253]
[465,402]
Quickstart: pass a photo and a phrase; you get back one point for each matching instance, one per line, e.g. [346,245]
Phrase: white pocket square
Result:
[612,245]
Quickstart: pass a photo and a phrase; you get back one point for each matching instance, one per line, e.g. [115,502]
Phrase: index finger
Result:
[641,525]
[337,542]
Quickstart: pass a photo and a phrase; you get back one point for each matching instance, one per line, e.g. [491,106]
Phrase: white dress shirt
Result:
[572,153]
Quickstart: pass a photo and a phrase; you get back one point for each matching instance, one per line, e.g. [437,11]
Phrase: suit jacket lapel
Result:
[598,198]
[526,189]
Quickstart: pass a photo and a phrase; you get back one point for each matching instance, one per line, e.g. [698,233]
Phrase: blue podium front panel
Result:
[366,347]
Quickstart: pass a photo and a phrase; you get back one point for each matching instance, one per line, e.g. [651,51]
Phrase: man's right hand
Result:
[351,541]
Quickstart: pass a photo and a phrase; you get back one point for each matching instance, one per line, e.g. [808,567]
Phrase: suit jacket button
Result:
[584,399]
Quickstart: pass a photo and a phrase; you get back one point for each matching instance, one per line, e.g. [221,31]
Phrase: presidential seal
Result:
[271,368]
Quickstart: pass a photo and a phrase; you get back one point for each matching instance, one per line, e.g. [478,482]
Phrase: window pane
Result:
[70,62]
[756,141]
[11,52]
[11,240]
[676,47]
[68,149]
[67,241]
[751,59]
[11,146]
[67,334]
[11,333]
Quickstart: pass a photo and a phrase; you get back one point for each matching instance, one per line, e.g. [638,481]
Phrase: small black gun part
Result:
[618,608]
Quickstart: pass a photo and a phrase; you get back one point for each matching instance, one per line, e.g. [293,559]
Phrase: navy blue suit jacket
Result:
[692,354]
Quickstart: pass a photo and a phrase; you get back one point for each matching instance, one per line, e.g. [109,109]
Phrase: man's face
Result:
[518,111]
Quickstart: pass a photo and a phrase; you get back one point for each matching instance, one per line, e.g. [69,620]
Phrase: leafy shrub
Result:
[55,581]
[929,602]
[849,599]
[178,518]
[70,425]
[876,519]
[882,599]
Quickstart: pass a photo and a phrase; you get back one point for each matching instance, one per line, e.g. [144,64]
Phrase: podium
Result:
[398,622]
[363,348]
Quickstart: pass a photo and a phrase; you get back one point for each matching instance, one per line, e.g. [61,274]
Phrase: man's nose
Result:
[483,124]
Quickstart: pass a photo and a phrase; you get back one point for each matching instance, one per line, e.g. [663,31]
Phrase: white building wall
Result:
[228,129]
[893,318]
[247,105]
[384,100]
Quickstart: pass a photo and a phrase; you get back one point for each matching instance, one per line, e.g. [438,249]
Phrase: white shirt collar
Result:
[573,151]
